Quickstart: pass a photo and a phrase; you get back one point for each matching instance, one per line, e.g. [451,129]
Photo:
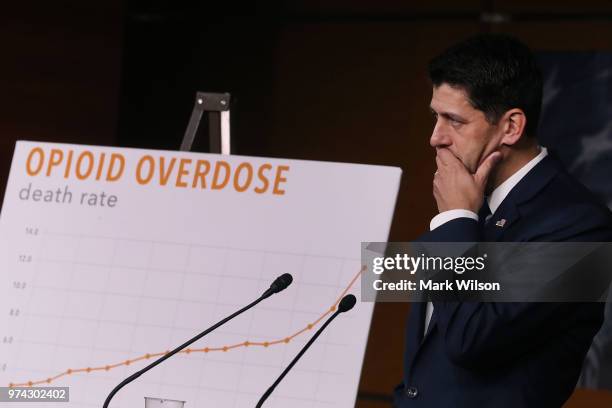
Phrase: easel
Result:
[216,107]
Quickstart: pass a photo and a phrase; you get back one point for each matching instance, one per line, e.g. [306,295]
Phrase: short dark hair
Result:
[498,73]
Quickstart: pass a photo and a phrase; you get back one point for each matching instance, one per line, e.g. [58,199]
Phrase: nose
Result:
[439,136]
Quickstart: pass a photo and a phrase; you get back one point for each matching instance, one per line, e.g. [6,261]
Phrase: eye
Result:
[454,122]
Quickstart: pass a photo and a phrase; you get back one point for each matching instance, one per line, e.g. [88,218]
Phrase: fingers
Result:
[446,159]
[484,170]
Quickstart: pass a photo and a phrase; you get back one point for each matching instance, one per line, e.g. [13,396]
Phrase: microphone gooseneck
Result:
[346,304]
[278,285]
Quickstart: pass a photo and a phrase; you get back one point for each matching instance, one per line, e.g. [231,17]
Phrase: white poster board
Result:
[112,256]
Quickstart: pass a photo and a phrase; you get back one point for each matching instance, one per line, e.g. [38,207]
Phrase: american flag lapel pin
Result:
[501,223]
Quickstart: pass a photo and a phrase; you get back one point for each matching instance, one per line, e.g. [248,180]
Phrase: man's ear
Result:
[513,126]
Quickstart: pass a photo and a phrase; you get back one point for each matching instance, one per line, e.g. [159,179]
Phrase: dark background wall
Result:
[60,65]
[337,80]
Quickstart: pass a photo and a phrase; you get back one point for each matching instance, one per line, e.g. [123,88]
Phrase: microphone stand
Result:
[346,304]
[279,284]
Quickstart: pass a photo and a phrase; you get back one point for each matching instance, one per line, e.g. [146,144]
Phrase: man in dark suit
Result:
[495,183]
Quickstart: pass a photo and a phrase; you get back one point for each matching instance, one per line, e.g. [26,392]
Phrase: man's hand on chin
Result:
[454,187]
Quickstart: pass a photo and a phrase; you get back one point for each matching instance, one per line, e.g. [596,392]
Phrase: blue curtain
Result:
[576,122]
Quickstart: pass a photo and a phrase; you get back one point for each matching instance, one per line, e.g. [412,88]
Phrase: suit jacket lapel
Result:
[508,212]
[414,332]
[422,335]
[504,217]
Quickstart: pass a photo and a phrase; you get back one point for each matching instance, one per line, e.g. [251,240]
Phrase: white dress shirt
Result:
[494,200]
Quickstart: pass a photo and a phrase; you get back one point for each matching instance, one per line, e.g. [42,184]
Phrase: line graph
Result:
[99,290]
[224,348]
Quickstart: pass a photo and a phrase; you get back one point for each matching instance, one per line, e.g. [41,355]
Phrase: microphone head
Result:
[281,282]
[347,303]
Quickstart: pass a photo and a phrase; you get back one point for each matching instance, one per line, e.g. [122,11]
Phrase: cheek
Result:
[489,142]
[475,144]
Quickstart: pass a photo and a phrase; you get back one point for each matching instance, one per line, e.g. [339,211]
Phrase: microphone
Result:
[278,285]
[345,305]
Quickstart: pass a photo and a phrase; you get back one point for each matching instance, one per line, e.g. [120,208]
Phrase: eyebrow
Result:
[449,115]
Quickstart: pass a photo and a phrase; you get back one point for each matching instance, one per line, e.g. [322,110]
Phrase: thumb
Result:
[484,170]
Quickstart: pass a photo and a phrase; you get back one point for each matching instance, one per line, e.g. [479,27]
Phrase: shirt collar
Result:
[499,194]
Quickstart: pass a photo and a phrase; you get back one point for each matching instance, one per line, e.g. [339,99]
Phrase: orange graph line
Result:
[226,348]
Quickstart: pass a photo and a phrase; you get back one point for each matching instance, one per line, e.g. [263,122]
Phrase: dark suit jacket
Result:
[478,354]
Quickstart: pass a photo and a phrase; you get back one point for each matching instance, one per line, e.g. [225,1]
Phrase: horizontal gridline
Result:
[211,359]
[176,272]
[220,331]
[192,245]
[88,370]
[168,298]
